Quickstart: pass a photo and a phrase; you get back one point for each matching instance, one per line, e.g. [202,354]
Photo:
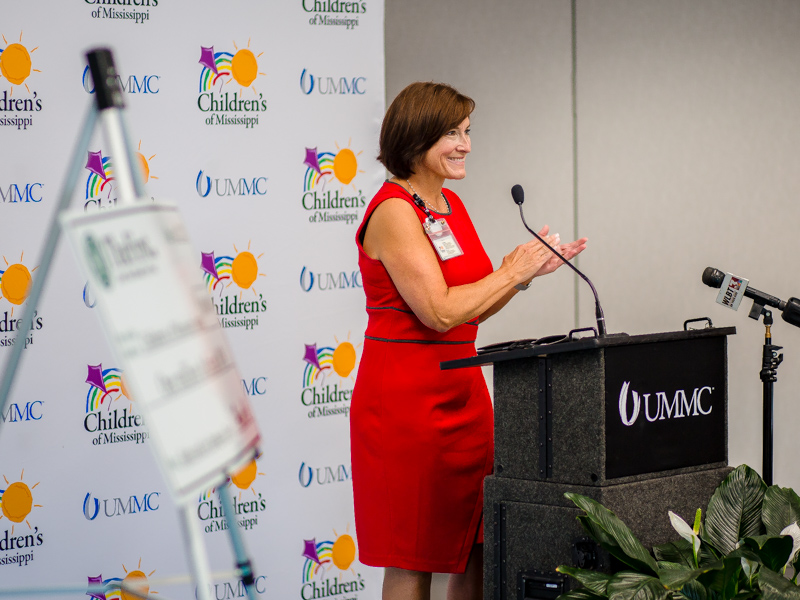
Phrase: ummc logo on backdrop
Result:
[16,65]
[240,272]
[17,503]
[234,588]
[246,506]
[234,107]
[107,391]
[323,365]
[334,12]
[322,170]
[133,84]
[110,589]
[326,86]
[100,189]
[328,568]
[15,285]
[140,13]
[682,404]
[117,507]
[323,475]
[21,193]
[342,280]
[222,187]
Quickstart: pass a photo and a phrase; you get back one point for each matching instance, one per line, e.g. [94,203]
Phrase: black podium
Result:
[638,423]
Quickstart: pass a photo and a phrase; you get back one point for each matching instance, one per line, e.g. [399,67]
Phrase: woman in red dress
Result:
[421,438]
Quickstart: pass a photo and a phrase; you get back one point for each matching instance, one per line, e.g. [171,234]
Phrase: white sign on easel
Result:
[164,330]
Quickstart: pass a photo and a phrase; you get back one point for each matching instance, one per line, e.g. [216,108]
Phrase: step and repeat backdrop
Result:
[260,120]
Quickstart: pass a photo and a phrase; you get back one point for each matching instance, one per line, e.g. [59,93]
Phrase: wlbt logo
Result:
[328,281]
[106,389]
[224,187]
[240,272]
[246,506]
[328,567]
[682,404]
[100,183]
[321,366]
[323,475]
[322,170]
[15,285]
[326,85]
[220,69]
[133,84]
[16,65]
[117,507]
[111,588]
[16,505]
[21,193]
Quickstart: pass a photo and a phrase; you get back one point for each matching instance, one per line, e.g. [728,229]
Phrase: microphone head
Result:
[518,194]
[713,277]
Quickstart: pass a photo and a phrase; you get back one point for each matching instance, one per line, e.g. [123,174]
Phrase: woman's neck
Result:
[427,188]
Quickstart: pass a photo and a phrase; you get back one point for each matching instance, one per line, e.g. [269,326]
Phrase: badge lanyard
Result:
[438,231]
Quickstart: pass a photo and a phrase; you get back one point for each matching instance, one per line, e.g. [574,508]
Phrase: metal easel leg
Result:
[242,561]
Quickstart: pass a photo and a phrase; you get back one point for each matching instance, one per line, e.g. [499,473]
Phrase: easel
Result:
[109,111]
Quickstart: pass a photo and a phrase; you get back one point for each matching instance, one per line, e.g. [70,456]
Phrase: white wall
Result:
[687,144]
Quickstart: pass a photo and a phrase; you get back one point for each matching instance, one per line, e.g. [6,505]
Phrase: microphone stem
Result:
[598,310]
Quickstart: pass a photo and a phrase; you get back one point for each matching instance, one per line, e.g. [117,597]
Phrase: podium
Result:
[638,423]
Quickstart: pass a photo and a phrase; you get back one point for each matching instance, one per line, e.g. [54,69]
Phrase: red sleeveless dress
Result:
[421,438]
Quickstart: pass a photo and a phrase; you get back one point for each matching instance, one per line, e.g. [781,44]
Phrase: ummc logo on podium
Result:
[682,405]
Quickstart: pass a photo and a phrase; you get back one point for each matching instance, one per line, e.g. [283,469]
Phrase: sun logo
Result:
[101,174]
[241,270]
[16,501]
[15,63]
[117,588]
[243,480]
[342,166]
[15,282]
[103,384]
[144,164]
[323,556]
[322,361]
[241,67]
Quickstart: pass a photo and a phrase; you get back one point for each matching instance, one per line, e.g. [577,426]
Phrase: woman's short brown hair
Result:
[421,114]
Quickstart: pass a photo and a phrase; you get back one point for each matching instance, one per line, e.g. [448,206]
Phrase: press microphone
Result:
[734,288]
[518,194]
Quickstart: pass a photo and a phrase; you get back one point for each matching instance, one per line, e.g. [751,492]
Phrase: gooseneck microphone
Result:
[734,288]
[518,194]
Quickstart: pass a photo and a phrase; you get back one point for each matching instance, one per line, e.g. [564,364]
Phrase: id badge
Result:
[442,239]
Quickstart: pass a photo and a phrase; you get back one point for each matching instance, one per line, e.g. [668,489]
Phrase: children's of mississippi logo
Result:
[109,409]
[320,198]
[15,285]
[139,15]
[327,379]
[16,504]
[336,13]
[16,65]
[115,588]
[245,506]
[234,105]
[328,567]
[100,183]
[240,272]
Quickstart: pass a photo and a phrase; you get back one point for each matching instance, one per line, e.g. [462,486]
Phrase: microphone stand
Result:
[770,360]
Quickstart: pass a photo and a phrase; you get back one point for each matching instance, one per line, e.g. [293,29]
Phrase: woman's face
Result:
[446,157]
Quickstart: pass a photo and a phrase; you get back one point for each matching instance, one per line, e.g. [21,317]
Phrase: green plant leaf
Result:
[781,507]
[632,551]
[776,587]
[580,594]
[772,551]
[678,552]
[626,585]
[693,590]
[592,580]
[726,580]
[734,510]
[674,576]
